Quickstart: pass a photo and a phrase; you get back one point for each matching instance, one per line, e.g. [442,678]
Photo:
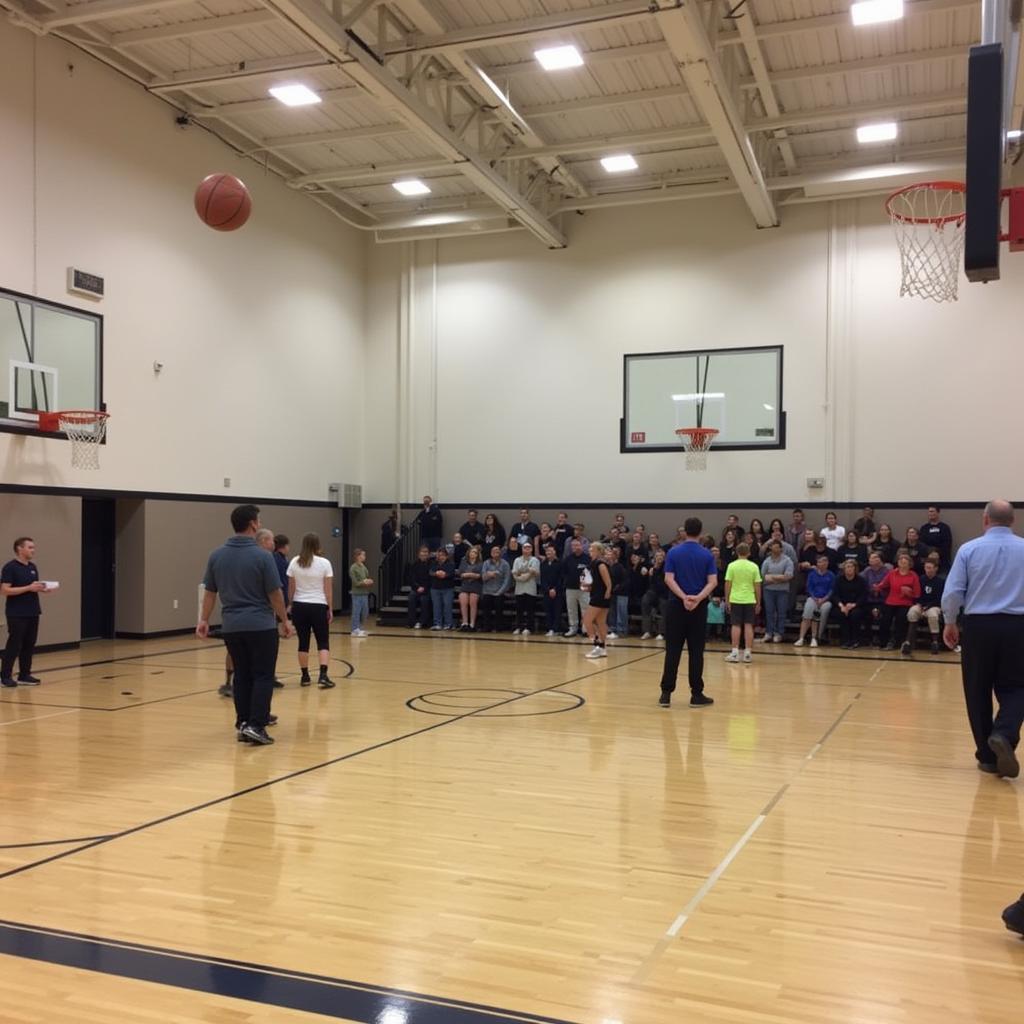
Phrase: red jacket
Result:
[894,582]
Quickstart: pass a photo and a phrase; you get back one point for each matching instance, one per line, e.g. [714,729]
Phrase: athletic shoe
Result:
[258,737]
[854,645]
[1013,916]
[571,632]
[1006,759]
[436,629]
[7,682]
[464,628]
[890,646]
[306,682]
[28,681]
[988,768]
[225,689]
[613,636]
[550,632]
[596,652]
[448,628]
[762,639]
[278,685]
[360,633]
[418,625]
[526,632]
[733,656]
[814,641]
[665,700]
[700,700]
[660,636]
[777,639]
[747,656]
[325,683]
[905,649]
[956,650]
[799,642]
[646,636]
[935,647]
[515,632]
[271,720]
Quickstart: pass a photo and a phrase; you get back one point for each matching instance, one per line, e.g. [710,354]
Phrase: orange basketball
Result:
[223,202]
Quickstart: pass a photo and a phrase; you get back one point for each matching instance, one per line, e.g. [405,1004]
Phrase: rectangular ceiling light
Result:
[617,164]
[885,131]
[1014,133]
[411,187]
[555,58]
[871,12]
[295,94]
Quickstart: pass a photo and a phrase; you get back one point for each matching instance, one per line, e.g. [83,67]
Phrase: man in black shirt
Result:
[472,529]
[431,523]
[929,605]
[562,532]
[20,584]
[525,530]
[938,536]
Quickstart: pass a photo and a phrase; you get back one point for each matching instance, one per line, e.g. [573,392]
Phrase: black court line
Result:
[237,979]
[120,707]
[128,657]
[311,768]
[53,842]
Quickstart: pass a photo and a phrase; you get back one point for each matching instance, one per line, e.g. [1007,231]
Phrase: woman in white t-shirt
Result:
[833,533]
[310,593]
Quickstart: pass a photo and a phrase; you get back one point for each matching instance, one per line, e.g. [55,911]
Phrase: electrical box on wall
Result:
[815,483]
[81,282]
[347,495]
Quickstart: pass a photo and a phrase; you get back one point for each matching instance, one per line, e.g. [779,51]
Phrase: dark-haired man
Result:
[472,530]
[244,577]
[431,522]
[691,576]
[795,530]
[936,535]
[20,584]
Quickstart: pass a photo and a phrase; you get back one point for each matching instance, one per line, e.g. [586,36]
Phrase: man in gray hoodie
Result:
[497,578]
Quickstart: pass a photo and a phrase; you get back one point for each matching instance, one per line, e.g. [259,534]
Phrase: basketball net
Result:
[85,429]
[928,220]
[696,443]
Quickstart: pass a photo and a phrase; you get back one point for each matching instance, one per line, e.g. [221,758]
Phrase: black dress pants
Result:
[22,631]
[490,612]
[254,655]
[849,625]
[992,661]
[689,629]
[419,607]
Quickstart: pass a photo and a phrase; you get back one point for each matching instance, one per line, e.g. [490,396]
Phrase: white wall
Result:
[260,330]
[516,354]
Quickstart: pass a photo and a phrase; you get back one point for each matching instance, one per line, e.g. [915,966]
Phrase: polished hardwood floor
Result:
[471,829]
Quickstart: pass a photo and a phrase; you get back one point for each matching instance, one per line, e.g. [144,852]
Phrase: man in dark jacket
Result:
[431,523]
[419,592]
[472,529]
[576,600]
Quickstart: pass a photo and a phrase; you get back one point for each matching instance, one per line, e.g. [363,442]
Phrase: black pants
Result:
[309,618]
[893,615]
[419,607]
[684,628]
[254,655]
[22,631]
[992,661]
[490,612]
[526,614]
[849,625]
[553,609]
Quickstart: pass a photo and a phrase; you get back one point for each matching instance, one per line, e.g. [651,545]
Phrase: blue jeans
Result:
[618,615]
[776,605]
[360,610]
[441,600]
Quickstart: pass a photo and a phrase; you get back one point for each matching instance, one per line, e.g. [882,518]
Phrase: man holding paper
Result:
[20,584]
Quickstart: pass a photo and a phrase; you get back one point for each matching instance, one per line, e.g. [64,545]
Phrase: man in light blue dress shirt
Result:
[987,582]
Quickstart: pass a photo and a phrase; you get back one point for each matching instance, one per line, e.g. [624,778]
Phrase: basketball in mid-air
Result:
[223,202]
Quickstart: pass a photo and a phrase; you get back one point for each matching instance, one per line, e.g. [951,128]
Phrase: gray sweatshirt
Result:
[500,583]
[523,566]
[783,565]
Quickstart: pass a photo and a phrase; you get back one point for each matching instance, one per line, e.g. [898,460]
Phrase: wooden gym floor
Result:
[470,830]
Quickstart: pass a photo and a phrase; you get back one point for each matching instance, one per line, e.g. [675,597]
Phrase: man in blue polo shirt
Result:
[987,581]
[690,575]
[20,584]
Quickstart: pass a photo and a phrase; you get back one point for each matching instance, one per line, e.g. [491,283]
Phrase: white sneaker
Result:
[613,636]
[747,656]
[646,636]
[515,632]
[594,652]
[777,639]
[550,632]
[733,656]
[798,643]
[571,632]
[762,639]
[526,632]
[418,625]
[814,641]
[659,637]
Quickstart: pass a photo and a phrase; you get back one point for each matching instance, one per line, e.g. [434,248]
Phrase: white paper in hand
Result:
[51,584]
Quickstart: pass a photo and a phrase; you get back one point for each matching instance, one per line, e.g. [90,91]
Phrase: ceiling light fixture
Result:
[411,187]
[872,12]
[1013,133]
[294,94]
[557,58]
[618,164]
[885,131]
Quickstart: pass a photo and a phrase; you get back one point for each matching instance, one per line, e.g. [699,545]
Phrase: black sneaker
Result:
[700,700]
[1013,916]
[305,681]
[271,719]
[325,683]
[251,734]
[665,700]
[7,682]
[226,690]
[28,681]
[905,649]
[935,647]
[278,685]
[890,646]
[1006,760]
[854,645]
[988,768]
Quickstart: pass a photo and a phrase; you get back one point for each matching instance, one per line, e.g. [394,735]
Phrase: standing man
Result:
[987,581]
[20,584]
[431,523]
[690,575]
[245,578]
[795,530]
[561,533]
[526,530]
[472,530]
[577,600]
[936,535]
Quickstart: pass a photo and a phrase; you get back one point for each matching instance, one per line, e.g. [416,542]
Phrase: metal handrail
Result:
[393,563]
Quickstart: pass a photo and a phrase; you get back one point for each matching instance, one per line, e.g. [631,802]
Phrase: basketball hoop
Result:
[696,443]
[85,428]
[928,220]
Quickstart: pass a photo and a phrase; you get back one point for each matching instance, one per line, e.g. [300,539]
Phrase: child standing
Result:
[359,576]
[743,599]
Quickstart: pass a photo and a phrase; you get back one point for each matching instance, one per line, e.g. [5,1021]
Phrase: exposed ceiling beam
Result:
[371,171]
[623,99]
[78,14]
[373,131]
[187,29]
[226,111]
[853,111]
[310,18]
[598,143]
[241,71]
[608,55]
[687,38]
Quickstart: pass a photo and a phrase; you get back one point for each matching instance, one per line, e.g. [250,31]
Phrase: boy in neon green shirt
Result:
[743,601]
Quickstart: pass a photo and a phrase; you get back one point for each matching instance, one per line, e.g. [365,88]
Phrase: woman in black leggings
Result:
[310,593]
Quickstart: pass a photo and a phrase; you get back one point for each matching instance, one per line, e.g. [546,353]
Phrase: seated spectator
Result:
[885,544]
[472,530]
[457,549]
[442,590]
[707,541]
[577,600]
[819,589]
[544,538]
[849,599]
[873,576]
[525,572]
[936,535]
[494,532]
[917,551]
[511,552]
[865,529]
[902,588]
[636,546]
[732,523]
[820,549]
[834,534]
[755,548]
[929,604]
[852,548]
[727,549]
[419,593]
[757,530]
[552,588]
[777,571]
[776,522]
[618,613]
[497,578]
[471,585]
[716,602]
[777,533]
[653,604]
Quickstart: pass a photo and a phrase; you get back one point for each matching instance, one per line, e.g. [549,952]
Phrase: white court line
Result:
[39,718]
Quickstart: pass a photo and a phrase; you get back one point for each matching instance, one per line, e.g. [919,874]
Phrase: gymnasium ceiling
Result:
[759,98]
